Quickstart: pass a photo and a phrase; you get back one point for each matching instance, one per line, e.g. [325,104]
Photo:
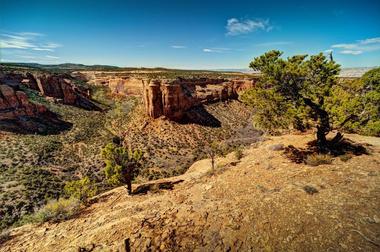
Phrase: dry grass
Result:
[318,159]
[244,207]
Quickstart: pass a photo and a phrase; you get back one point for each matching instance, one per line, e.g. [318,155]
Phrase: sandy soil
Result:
[256,204]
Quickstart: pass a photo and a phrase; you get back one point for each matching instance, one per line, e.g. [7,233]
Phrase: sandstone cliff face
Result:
[18,114]
[60,86]
[125,86]
[173,99]
[16,103]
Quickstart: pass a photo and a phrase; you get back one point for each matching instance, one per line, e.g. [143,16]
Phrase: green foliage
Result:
[293,90]
[238,153]
[299,90]
[371,80]
[82,189]
[120,163]
[354,104]
[272,111]
[55,211]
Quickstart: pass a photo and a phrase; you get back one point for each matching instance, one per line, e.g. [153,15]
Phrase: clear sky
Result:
[186,34]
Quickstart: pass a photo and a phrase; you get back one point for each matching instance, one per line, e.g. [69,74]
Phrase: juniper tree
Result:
[299,82]
[121,164]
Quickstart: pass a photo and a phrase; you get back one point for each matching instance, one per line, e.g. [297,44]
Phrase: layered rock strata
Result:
[173,99]
[18,114]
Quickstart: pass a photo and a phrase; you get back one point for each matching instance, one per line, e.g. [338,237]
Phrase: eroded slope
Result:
[258,203]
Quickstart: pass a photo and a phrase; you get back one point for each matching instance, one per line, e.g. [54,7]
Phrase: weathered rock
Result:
[60,86]
[125,86]
[173,99]
[18,114]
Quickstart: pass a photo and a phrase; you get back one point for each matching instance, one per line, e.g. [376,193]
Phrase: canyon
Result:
[171,98]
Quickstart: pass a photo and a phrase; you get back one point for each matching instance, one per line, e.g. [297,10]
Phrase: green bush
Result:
[238,153]
[353,104]
[82,189]
[55,211]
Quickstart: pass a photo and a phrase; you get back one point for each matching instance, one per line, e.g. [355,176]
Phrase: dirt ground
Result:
[258,203]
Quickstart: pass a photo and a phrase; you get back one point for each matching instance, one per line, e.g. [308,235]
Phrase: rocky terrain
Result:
[261,202]
[174,118]
[35,167]
[59,87]
[18,114]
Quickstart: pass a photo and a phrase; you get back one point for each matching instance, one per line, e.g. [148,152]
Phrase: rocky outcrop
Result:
[125,86]
[18,114]
[173,99]
[16,103]
[61,87]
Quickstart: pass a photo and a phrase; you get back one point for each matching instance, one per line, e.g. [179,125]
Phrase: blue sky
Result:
[187,34]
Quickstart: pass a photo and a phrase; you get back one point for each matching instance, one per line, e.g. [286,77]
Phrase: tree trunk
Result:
[324,124]
[129,184]
[127,175]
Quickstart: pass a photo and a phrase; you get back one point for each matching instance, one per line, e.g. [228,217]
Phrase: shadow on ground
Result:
[50,124]
[199,115]
[344,147]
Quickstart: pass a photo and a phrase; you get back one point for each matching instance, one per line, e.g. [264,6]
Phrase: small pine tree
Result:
[82,189]
[121,164]
[213,149]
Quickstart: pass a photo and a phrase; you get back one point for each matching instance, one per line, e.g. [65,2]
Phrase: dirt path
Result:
[255,204]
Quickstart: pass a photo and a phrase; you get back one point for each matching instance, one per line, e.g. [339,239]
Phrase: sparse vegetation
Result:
[238,153]
[345,157]
[4,236]
[54,210]
[310,189]
[318,159]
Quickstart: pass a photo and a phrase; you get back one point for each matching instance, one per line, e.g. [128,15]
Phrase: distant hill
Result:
[82,67]
[353,72]
[65,66]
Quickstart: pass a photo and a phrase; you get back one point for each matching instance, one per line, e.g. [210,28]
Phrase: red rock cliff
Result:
[18,114]
[173,98]
[60,86]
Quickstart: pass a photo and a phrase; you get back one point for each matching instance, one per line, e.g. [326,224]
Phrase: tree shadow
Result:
[156,186]
[343,147]
[199,115]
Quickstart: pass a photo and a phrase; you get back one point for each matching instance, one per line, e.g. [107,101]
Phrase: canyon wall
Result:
[173,99]
[18,114]
[14,103]
[60,87]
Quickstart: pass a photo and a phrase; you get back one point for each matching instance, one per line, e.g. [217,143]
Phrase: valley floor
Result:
[258,203]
